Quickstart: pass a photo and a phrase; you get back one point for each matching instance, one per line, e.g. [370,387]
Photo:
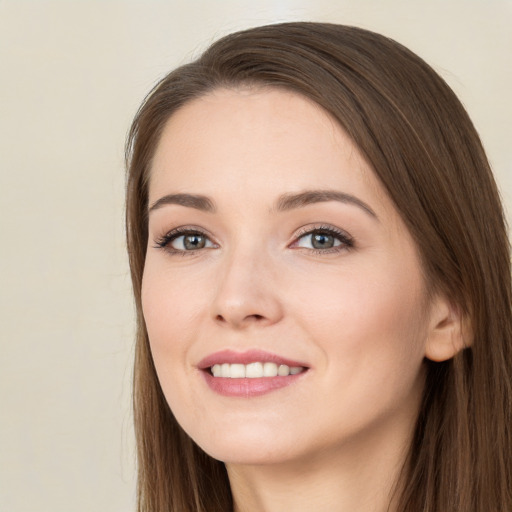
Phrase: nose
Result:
[246,293]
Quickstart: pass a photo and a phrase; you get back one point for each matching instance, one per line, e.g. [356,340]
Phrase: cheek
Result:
[357,301]
[371,337]
[170,306]
[169,312]
[369,324]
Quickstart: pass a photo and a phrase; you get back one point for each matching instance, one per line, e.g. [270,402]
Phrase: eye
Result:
[325,239]
[183,240]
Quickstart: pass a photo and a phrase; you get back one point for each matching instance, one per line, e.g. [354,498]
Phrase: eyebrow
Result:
[284,202]
[291,201]
[198,202]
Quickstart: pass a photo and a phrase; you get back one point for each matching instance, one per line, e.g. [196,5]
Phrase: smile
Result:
[249,374]
[254,370]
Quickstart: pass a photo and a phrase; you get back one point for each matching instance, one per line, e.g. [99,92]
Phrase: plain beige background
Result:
[72,76]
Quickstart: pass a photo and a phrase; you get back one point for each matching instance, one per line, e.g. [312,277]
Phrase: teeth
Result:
[270,370]
[283,370]
[237,371]
[254,370]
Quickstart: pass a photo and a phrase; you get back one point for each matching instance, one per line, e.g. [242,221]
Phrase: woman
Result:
[322,279]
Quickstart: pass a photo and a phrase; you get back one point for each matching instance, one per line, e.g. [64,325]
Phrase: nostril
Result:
[248,318]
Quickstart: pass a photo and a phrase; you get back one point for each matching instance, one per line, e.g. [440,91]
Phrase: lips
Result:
[249,374]
[245,358]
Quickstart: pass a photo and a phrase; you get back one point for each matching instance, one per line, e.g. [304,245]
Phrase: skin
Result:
[359,318]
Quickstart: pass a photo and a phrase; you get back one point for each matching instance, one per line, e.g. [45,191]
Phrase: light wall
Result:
[72,76]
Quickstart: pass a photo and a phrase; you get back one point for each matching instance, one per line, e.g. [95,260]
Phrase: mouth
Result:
[251,373]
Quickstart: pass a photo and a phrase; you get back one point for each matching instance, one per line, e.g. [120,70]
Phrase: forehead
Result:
[262,139]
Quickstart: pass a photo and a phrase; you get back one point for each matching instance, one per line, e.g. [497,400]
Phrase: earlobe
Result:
[448,333]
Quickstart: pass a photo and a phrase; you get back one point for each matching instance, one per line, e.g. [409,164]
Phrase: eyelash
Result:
[347,242]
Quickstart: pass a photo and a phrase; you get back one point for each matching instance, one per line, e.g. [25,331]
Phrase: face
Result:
[309,307]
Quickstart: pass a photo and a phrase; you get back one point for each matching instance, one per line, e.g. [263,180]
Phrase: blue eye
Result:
[319,240]
[184,240]
[325,239]
[190,242]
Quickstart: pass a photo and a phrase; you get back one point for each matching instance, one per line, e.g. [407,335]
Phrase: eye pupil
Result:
[323,240]
[194,242]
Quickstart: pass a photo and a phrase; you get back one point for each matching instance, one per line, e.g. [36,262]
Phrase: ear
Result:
[448,333]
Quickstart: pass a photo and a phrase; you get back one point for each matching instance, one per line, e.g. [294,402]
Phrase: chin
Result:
[249,446]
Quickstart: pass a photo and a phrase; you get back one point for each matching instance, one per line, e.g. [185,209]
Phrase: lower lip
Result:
[247,388]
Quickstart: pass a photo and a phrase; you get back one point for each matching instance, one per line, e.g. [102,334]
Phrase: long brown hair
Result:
[424,149]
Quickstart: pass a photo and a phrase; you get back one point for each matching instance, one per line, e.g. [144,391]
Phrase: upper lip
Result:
[246,357]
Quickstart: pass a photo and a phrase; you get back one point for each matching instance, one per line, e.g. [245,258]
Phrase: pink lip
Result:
[247,388]
[250,356]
